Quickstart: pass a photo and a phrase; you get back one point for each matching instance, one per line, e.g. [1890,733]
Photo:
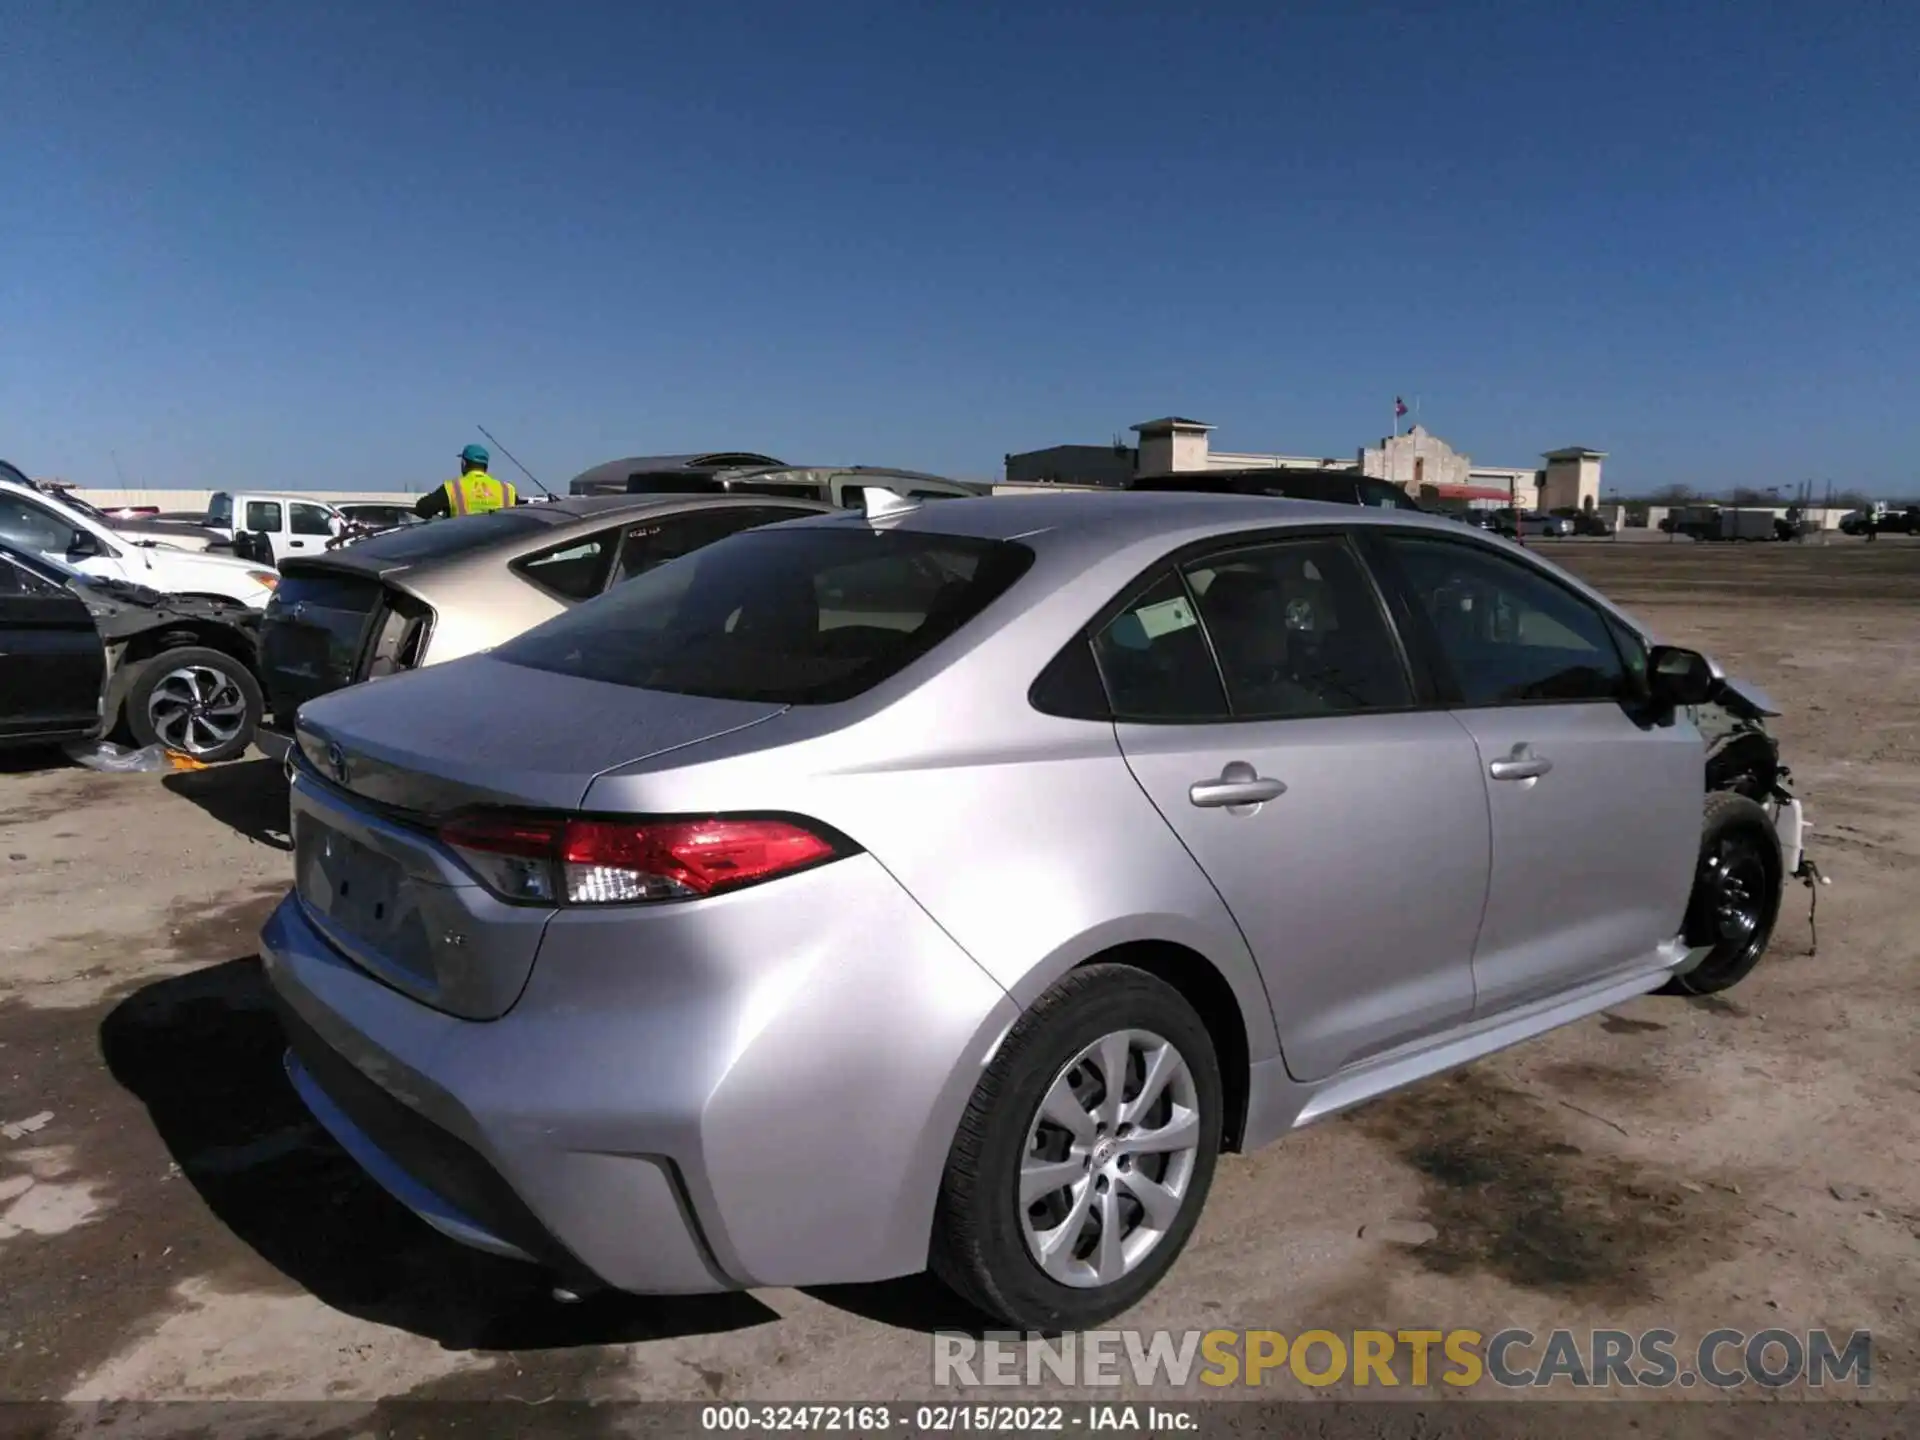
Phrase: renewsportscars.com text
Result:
[1512,1359]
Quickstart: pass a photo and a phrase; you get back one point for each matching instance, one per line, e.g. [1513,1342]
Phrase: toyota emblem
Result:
[337,761]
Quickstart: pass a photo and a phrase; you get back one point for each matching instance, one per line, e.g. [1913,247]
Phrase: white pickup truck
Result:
[270,526]
[50,527]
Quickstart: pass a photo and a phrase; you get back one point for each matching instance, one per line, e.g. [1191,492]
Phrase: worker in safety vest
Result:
[474,493]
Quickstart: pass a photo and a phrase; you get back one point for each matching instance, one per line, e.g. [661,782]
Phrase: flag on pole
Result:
[1399,407]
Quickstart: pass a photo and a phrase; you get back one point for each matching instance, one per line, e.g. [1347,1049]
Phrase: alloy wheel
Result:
[1109,1158]
[196,709]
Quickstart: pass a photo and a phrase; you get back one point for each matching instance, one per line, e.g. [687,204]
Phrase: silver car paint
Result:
[479,601]
[716,1041]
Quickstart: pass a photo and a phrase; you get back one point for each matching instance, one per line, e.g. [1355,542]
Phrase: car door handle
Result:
[1239,784]
[1522,764]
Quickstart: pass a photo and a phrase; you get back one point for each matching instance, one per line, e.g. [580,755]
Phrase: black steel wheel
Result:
[1736,895]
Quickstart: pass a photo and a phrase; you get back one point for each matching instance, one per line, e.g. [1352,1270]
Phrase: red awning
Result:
[1471,492]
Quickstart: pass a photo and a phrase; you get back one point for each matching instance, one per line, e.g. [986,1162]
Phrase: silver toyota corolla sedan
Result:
[949,884]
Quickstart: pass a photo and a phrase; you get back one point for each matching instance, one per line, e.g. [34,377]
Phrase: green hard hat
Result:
[475,455]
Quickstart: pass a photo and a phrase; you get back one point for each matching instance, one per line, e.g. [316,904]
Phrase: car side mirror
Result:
[82,546]
[1679,677]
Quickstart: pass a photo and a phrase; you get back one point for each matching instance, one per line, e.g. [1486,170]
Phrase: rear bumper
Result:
[744,1091]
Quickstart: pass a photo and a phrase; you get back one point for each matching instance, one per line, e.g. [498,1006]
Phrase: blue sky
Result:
[317,244]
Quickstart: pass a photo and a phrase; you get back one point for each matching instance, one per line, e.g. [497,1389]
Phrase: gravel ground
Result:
[178,1229]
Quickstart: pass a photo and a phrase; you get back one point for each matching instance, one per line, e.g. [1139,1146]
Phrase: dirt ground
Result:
[178,1228]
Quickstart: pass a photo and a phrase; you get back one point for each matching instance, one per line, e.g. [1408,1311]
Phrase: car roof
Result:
[1123,517]
[549,522]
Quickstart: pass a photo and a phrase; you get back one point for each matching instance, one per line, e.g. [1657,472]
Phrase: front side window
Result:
[34,528]
[220,510]
[793,615]
[18,579]
[1154,660]
[1509,634]
[1298,631]
[311,519]
[263,515]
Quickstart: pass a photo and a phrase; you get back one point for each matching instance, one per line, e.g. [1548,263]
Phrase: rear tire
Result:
[1049,1217]
[1737,888]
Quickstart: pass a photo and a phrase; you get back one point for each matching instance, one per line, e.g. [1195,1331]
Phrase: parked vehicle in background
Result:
[267,528]
[968,876]
[81,657]
[1517,524]
[377,516]
[58,530]
[1337,487]
[1587,522]
[421,595]
[842,487]
[1884,518]
[137,523]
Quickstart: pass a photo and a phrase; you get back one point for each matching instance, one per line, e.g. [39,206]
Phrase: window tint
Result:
[1298,631]
[263,515]
[311,520]
[1633,653]
[220,509]
[1508,633]
[18,579]
[791,615]
[30,527]
[649,543]
[1154,660]
[575,569]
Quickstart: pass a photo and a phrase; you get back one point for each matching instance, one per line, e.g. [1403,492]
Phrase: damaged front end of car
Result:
[1743,758]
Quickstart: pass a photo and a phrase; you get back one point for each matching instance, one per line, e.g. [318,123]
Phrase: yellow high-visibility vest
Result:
[477,492]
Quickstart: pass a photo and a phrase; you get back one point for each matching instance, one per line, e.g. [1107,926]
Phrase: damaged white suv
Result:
[49,527]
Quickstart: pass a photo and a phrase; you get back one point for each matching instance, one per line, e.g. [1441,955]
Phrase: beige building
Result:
[1419,461]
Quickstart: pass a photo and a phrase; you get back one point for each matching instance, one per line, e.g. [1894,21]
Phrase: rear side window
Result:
[1298,631]
[803,615]
[263,515]
[1154,659]
[648,543]
[574,569]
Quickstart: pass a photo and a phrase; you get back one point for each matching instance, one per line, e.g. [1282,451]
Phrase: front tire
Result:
[1084,1158]
[1736,895]
[197,701]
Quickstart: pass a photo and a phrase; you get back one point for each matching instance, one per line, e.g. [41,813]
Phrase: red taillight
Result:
[599,862]
[531,839]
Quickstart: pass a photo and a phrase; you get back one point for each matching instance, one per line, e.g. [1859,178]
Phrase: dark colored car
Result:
[1338,487]
[1585,522]
[82,657]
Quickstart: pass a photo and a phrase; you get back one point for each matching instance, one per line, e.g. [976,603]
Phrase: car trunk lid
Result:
[382,764]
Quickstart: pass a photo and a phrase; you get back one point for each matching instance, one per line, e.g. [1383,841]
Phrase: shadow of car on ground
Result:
[249,796]
[203,1051]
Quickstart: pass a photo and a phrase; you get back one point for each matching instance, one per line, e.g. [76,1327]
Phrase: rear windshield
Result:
[443,538]
[805,616]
